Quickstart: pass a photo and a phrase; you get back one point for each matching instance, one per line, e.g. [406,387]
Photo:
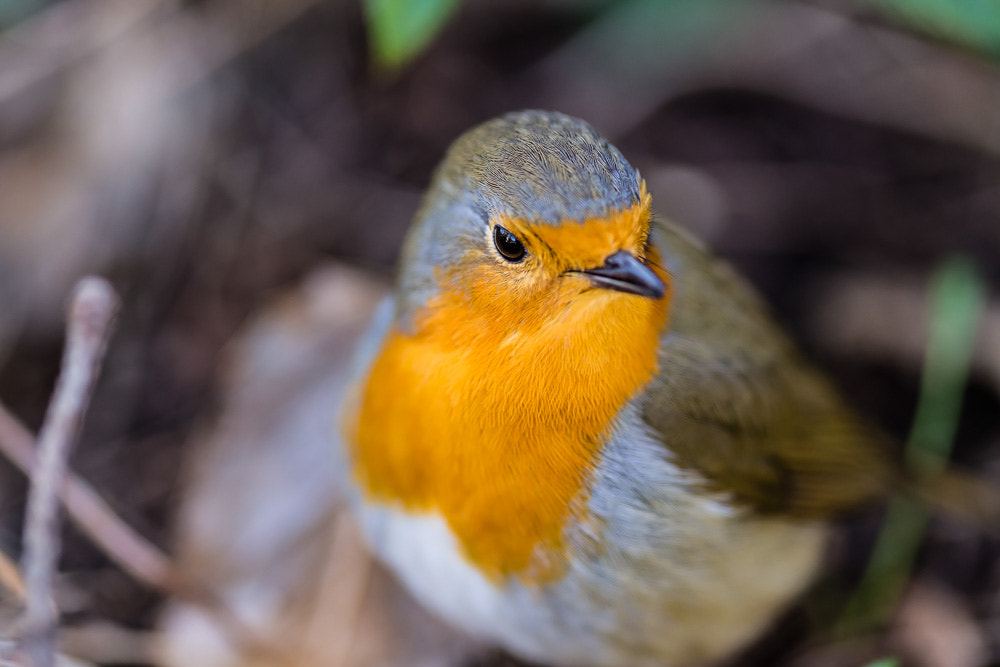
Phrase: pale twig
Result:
[10,577]
[64,35]
[105,643]
[52,479]
[342,584]
[129,550]
[89,512]
[91,312]
[71,33]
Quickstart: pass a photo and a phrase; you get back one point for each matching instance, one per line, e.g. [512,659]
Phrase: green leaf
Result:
[957,298]
[399,30]
[884,662]
[973,23]
[15,11]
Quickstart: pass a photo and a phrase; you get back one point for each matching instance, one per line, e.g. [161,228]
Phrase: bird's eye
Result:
[507,244]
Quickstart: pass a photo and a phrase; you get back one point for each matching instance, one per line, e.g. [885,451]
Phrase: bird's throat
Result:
[497,423]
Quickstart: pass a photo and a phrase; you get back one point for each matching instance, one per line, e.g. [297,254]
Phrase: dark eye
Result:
[508,245]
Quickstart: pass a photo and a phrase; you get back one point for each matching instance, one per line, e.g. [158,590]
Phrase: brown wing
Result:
[735,402]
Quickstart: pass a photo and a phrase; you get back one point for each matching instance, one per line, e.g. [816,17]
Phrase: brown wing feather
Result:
[735,402]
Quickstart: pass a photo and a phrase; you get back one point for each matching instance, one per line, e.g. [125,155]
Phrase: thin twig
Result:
[61,36]
[91,313]
[91,514]
[130,551]
[10,577]
[64,35]
[332,629]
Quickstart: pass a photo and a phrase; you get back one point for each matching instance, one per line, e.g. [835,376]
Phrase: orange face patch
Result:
[586,244]
[492,413]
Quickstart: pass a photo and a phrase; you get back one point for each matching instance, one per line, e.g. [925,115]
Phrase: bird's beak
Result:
[623,272]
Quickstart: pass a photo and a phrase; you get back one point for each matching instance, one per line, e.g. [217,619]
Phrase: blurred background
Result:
[207,156]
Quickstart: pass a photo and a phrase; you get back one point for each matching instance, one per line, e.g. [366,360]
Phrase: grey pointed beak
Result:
[623,272]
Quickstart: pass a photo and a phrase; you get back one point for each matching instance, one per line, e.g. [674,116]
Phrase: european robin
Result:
[575,432]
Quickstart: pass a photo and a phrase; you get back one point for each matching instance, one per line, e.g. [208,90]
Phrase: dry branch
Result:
[10,577]
[89,512]
[91,313]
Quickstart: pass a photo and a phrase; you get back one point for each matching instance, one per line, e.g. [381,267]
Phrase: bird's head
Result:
[535,213]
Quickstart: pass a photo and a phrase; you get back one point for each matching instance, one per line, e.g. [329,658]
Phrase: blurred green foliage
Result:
[957,299]
[400,29]
[884,662]
[958,296]
[14,11]
[971,23]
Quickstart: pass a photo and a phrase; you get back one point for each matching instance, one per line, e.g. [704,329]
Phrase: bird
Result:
[577,434]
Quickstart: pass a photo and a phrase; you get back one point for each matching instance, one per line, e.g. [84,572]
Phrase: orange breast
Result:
[496,422]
